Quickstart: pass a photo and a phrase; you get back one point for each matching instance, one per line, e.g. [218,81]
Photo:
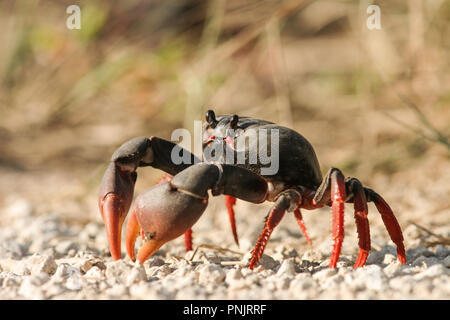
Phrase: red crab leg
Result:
[391,223]
[274,217]
[338,197]
[188,240]
[362,225]
[230,202]
[299,218]
[285,200]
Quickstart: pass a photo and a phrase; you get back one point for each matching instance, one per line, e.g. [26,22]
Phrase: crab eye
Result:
[234,121]
[211,118]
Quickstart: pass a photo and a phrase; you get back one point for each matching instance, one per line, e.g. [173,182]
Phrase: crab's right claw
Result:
[116,195]
[163,213]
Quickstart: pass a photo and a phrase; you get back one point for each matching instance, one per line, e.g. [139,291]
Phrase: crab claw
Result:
[116,195]
[164,213]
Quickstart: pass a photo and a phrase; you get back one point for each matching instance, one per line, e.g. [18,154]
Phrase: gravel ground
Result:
[44,257]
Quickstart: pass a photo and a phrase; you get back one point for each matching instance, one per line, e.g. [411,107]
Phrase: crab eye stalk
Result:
[234,121]
[211,118]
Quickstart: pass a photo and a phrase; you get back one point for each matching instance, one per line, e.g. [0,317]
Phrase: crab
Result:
[170,208]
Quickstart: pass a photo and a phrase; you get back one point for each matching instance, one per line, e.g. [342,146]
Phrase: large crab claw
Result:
[117,187]
[166,211]
[164,214]
[116,195]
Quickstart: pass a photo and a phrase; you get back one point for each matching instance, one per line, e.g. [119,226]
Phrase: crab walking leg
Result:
[332,189]
[338,197]
[285,201]
[362,223]
[391,223]
[301,224]
[188,240]
[230,202]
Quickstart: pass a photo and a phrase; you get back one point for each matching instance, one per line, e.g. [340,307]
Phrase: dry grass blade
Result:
[438,136]
[213,247]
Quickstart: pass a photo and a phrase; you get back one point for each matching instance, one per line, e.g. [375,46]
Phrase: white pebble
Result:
[211,273]
[65,270]
[441,251]
[389,258]
[94,273]
[74,282]
[42,263]
[29,289]
[136,275]
[287,269]
[312,256]
[432,272]
[324,274]
[447,262]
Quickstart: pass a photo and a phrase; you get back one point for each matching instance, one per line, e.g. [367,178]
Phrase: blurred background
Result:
[375,103]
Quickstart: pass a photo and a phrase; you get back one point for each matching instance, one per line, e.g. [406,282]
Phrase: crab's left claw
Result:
[116,195]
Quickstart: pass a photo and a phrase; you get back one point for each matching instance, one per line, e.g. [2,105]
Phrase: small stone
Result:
[415,253]
[267,262]
[116,270]
[282,283]
[19,208]
[64,247]
[64,271]
[11,249]
[43,263]
[403,284]
[90,231]
[29,289]
[211,273]
[155,262]
[74,282]
[162,271]
[441,251]
[55,290]
[94,273]
[375,257]
[10,279]
[313,256]
[432,272]
[40,279]
[303,282]
[117,291]
[23,268]
[333,282]
[447,262]
[233,275]
[373,277]
[136,275]
[395,268]
[287,269]
[324,274]
[389,258]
